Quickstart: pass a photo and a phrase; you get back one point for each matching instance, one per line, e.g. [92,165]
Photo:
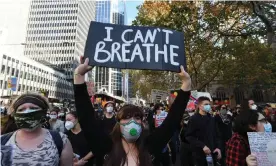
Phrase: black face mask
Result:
[29,121]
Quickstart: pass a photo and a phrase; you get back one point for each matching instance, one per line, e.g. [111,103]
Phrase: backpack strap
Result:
[58,141]
[5,138]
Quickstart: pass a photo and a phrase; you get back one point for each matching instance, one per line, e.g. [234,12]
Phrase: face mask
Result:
[207,108]
[223,112]
[191,113]
[109,109]
[69,125]
[53,116]
[254,107]
[29,119]
[268,127]
[131,131]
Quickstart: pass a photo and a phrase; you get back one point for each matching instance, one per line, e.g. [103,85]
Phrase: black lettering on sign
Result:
[133,47]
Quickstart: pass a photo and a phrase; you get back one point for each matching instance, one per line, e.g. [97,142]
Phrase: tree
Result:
[211,35]
[260,20]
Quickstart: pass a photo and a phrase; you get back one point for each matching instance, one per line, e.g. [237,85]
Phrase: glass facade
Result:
[109,11]
[103,10]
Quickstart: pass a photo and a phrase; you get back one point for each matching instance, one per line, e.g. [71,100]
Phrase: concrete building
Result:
[32,76]
[57,32]
[109,11]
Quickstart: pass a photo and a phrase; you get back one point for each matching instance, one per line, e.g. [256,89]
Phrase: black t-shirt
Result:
[108,124]
[79,145]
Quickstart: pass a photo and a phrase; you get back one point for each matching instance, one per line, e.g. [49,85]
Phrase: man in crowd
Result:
[202,133]
[224,123]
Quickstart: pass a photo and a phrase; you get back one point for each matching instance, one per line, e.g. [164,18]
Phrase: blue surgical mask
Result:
[207,108]
[268,127]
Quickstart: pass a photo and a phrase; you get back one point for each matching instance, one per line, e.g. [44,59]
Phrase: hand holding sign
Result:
[251,160]
[186,80]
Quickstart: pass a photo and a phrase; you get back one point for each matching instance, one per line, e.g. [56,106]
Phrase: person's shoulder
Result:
[194,117]
[60,121]
[237,139]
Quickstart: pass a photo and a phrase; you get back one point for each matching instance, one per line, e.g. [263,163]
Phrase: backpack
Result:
[55,135]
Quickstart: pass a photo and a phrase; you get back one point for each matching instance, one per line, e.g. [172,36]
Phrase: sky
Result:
[131,9]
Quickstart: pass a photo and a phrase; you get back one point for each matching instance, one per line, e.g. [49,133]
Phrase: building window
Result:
[12,71]
[4,57]
[8,70]
[5,85]
[19,87]
[16,74]
[3,69]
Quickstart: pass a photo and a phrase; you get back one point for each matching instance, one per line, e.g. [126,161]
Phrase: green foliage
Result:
[222,42]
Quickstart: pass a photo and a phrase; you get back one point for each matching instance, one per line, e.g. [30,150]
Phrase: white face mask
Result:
[53,116]
[131,131]
[254,107]
[109,109]
[191,113]
[69,125]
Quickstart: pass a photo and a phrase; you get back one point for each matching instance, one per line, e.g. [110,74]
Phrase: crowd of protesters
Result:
[34,133]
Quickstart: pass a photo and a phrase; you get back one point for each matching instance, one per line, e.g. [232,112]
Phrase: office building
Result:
[109,11]
[32,76]
[57,32]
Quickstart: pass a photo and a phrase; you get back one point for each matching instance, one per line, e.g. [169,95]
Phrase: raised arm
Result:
[161,136]
[99,142]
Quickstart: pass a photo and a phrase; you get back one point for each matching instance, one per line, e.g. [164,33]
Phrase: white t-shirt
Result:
[58,125]
[158,119]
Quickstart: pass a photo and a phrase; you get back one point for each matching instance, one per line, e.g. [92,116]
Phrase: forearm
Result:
[79,79]
[88,156]
[194,142]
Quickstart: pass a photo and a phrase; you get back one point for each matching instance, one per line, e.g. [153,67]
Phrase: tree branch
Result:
[257,10]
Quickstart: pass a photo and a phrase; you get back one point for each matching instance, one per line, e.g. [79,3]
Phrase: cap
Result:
[109,102]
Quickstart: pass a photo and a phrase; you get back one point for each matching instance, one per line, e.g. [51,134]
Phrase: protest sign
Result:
[134,47]
[263,145]
[158,95]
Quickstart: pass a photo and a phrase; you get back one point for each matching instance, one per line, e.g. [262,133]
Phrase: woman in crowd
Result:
[31,144]
[78,141]
[238,149]
[224,123]
[109,121]
[55,123]
[127,145]
[159,116]
[186,152]
[61,114]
